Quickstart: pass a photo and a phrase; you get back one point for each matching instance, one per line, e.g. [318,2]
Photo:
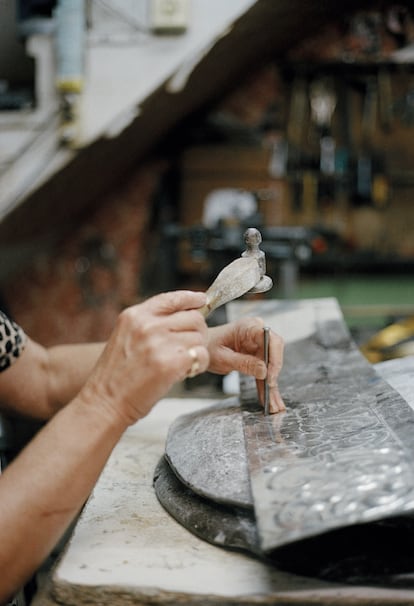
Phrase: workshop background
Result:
[138,140]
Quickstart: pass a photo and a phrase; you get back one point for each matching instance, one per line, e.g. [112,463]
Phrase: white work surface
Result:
[127,550]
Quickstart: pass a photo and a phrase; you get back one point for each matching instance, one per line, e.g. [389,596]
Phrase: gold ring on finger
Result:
[195,365]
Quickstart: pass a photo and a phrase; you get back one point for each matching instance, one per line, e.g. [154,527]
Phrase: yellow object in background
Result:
[380,190]
[394,341]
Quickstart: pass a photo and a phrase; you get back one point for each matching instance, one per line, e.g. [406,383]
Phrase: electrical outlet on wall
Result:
[169,16]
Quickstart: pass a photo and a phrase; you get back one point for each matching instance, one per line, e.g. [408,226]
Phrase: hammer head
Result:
[264,284]
[245,274]
[253,238]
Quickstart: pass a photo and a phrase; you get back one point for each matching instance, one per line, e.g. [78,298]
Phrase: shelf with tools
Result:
[347,150]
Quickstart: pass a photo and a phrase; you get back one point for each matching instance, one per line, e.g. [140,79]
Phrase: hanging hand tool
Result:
[364,166]
[385,98]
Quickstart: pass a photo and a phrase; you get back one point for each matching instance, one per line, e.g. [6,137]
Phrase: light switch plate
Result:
[169,16]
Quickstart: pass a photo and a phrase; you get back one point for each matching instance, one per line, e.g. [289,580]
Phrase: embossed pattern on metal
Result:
[342,454]
[206,451]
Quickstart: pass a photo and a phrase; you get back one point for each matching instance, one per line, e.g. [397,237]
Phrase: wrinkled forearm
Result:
[43,490]
[69,366]
[43,380]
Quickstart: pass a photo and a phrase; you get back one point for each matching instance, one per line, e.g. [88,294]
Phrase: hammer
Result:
[246,274]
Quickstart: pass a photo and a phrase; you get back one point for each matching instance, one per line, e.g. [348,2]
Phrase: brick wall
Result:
[75,292]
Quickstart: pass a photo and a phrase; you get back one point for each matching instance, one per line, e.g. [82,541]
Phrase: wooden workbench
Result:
[127,550]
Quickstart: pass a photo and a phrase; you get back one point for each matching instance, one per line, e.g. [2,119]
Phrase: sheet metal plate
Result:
[226,526]
[207,453]
[342,454]
[377,552]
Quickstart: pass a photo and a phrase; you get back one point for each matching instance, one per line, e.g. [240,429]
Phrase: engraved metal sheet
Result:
[343,452]
[206,451]
[377,552]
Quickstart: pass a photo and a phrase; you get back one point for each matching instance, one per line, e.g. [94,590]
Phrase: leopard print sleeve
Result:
[12,341]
